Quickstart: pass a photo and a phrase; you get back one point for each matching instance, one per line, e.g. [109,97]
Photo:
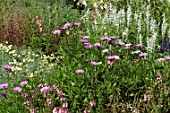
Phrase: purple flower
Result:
[143,54]
[67,24]
[86,61]
[167,57]
[68,44]
[56,32]
[77,23]
[45,89]
[160,59]
[88,46]
[105,38]
[63,27]
[113,57]
[128,46]
[95,63]
[139,46]
[83,40]
[112,37]
[17,89]
[80,71]
[120,43]
[97,44]
[3,86]
[85,37]
[112,52]
[23,83]
[4,95]
[7,67]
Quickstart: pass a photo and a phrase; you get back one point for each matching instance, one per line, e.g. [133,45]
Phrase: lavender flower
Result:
[56,32]
[4,85]
[77,23]
[24,83]
[17,89]
[7,67]
[160,59]
[80,71]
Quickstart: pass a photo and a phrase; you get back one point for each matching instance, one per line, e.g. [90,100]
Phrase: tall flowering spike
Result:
[7,67]
[4,85]
[17,89]
[80,71]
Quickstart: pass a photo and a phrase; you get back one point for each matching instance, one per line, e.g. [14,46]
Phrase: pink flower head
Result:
[86,111]
[105,50]
[80,71]
[128,46]
[120,43]
[83,40]
[86,61]
[88,46]
[25,95]
[63,27]
[136,52]
[139,46]
[56,32]
[67,24]
[7,67]
[85,37]
[62,99]
[143,54]
[160,59]
[48,101]
[32,110]
[45,89]
[113,57]
[97,44]
[167,57]
[105,38]
[28,101]
[146,96]
[159,77]
[4,85]
[17,89]
[60,110]
[24,83]
[112,37]
[77,23]
[65,104]
[95,63]
[92,103]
